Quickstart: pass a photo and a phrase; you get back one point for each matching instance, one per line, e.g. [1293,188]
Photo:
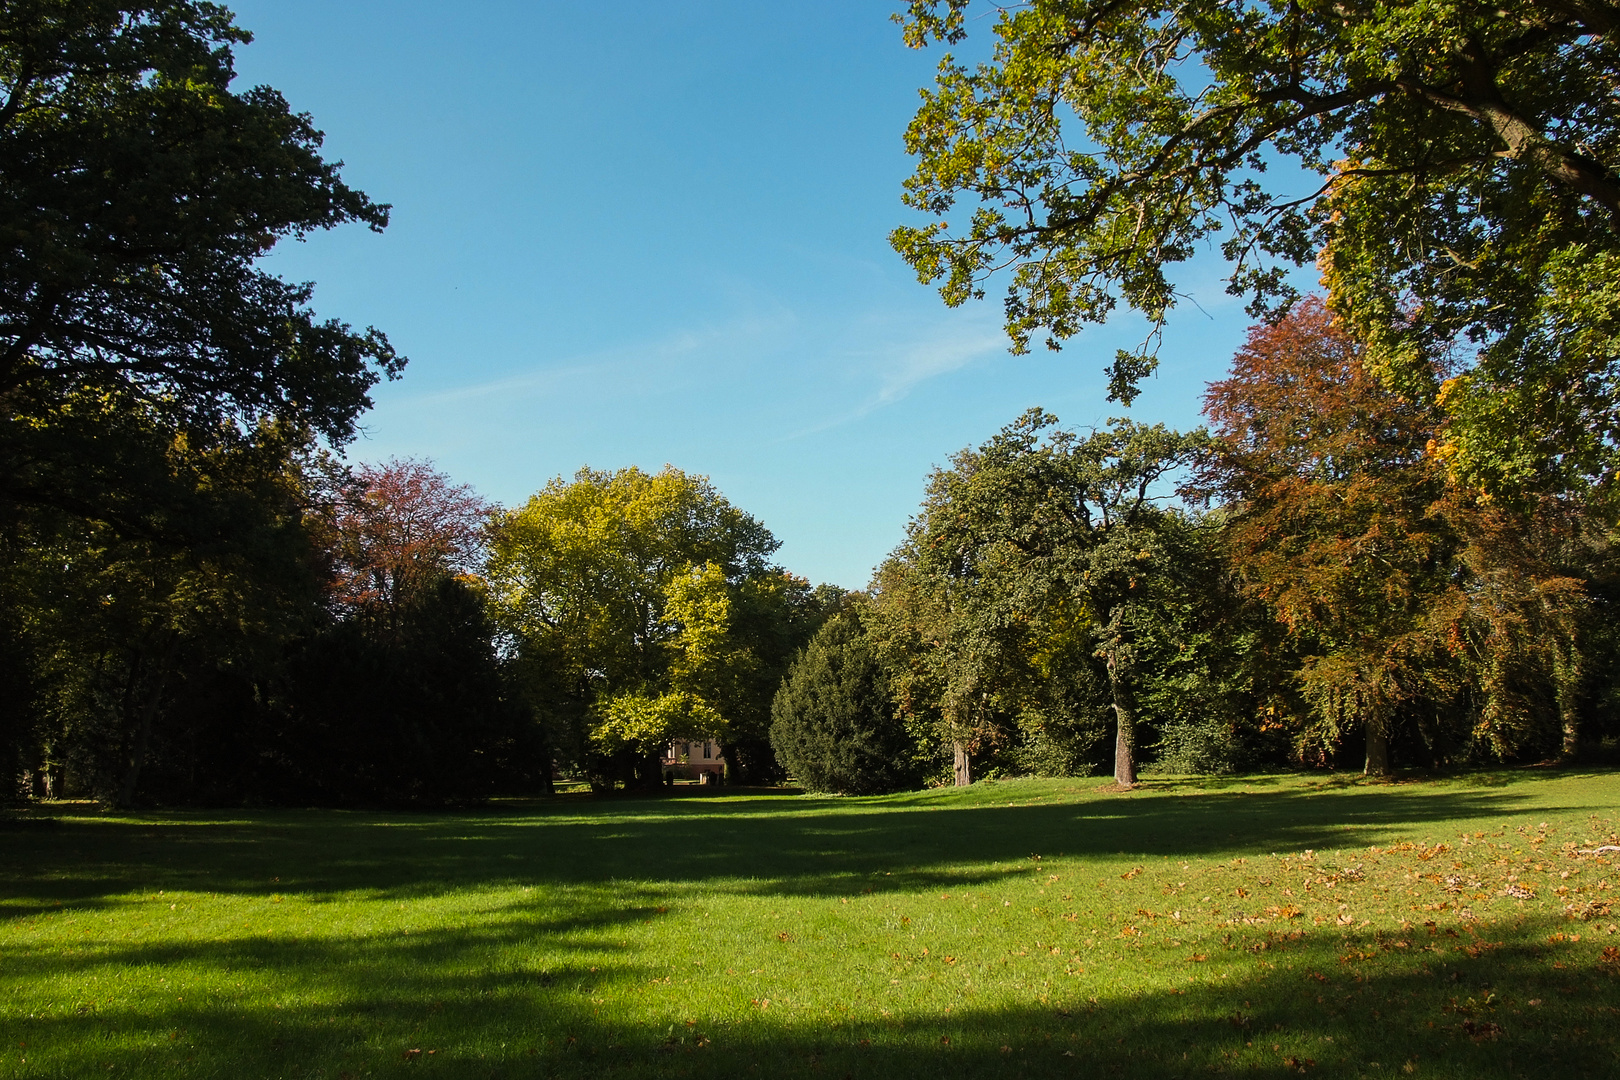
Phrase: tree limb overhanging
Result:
[1467,160]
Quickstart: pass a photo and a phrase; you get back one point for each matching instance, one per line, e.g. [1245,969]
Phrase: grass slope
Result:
[1265,926]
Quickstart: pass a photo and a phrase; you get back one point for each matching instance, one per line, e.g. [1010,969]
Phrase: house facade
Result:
[694,759]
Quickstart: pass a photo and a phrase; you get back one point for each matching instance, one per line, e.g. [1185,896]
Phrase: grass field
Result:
[1269,926]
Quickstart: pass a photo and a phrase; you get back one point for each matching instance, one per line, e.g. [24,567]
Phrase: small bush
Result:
[833,724]
[1207,746]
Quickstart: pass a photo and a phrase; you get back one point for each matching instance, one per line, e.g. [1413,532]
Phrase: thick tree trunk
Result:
[1125,727]
[1571,748]
[1124,746]
[964,765]
[1377,750]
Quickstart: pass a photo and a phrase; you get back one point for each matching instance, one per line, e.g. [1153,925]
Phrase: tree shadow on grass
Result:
[802,847]
[1489,1001]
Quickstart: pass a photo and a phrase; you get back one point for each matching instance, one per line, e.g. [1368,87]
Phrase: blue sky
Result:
[638,233]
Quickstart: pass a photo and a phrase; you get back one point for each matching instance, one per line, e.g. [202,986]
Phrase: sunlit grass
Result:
[1271,924]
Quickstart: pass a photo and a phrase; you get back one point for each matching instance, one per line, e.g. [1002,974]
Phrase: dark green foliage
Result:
[405,705]
[1064,730]
[137,194]
[777,622]
[833,724]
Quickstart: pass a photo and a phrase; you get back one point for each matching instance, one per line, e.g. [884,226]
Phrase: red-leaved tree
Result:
[399,525]
[1339,522]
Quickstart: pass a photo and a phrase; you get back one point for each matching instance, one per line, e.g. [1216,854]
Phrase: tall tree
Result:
[1044,526]
[219,577]
[138,193]
[1460,185]
[1340,520]
[622,590]
[404,695]
[401,525]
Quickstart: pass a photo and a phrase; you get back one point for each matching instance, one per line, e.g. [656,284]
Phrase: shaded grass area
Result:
[1270,926]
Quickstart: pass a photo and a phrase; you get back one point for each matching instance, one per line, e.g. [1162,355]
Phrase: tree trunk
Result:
[1125,727]
[548,783]
[1571,748]
[651,773]
[143,742]
[1125,746]
[1377,750]
[964,766]
[1567,670]
[732,770]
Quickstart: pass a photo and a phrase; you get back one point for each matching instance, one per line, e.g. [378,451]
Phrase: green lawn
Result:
[1266,925]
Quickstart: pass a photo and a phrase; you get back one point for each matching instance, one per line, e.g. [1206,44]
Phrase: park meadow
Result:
[1258,716]
[1265,925]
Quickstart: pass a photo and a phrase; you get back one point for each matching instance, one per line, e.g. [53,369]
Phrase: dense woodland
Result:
[1392,546]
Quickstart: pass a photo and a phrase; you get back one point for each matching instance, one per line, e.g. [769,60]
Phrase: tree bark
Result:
[1125,722]
[1124,744]
[964,765]
[1568,672]
[1377,750]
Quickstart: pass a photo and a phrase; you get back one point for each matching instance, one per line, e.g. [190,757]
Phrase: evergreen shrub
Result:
[833,723]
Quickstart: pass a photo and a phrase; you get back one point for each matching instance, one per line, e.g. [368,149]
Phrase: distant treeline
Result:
[1300,585]
[1395,544]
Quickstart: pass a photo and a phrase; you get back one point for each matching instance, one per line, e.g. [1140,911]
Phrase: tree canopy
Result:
[1040,529]
[639,602]
[138,191]
[1339,522]
[1459,187]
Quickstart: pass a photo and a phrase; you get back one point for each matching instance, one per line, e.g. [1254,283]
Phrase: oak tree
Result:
[1070,534]
[1453,163]
[138,193]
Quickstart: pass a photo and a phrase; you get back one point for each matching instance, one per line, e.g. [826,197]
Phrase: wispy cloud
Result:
[639,361]
[911,364]
[900,366]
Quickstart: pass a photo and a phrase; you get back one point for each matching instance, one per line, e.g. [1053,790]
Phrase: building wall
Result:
[690,758]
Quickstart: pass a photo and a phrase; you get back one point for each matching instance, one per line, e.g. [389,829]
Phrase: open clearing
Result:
[1260,925]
